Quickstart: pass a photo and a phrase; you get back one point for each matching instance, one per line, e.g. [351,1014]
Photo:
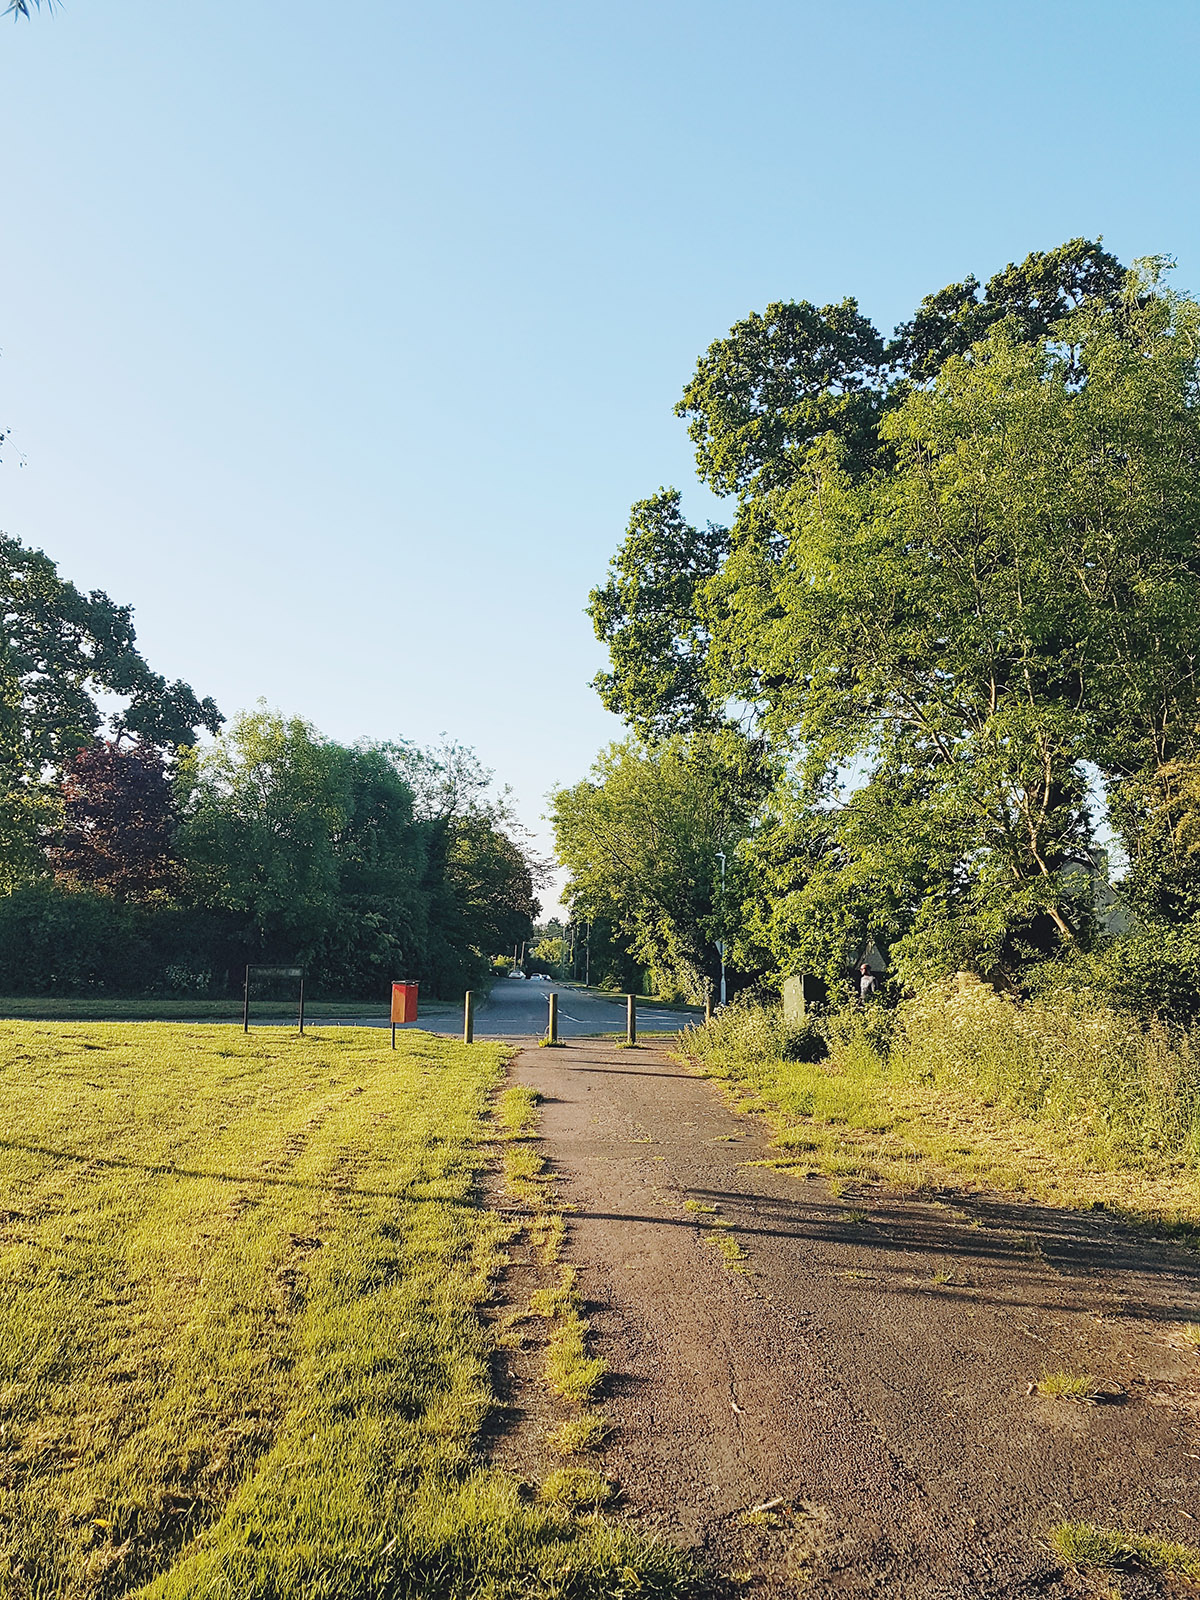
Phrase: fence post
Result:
[468,1018]
[552,1030]
[630,1019]
[246,1004]
[708,1000]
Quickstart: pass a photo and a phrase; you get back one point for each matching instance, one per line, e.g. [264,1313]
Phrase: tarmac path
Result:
[869,1366]
[518,1008]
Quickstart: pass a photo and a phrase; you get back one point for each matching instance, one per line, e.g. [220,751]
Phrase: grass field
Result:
[69,1008]
[239,1353]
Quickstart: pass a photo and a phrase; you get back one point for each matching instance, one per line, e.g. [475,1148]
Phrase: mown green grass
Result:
[239,1353]
[68,1008]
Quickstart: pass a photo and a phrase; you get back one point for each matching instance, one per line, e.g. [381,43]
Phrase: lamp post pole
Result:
[721,942]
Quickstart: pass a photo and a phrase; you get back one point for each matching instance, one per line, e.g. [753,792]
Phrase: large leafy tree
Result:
[647,615]
[1015,598]
[325,854]
[784,389]
[641,839]
[943,637]
[310,844]
[780,380]
[480,878]
[118,822]
[1035,295]
[60,652]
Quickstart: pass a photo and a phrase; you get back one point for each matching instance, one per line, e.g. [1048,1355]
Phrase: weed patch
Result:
[517,1110]
[1084,1546]
[576,1489]
[586,1432]
[570,1371]
[1068,1385]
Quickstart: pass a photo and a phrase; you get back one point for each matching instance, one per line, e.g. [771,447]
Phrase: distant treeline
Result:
[134,861]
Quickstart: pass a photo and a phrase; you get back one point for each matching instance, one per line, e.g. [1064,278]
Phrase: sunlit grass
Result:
[576,1489]
[585,1432]
[1084,1545]
[239,1349]
[1068,1385]
[1072,1106]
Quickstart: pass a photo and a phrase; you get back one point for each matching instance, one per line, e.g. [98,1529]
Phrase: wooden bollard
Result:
[630,1019]
[552,1028]
[468,1018]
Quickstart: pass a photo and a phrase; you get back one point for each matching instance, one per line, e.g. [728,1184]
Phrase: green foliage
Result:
[780,380]
[1036,296]
[746,1030]
[20,8]
[59,651]
[315,848]
[641,842]
[1062,571]
[1135,1089]
[960,588]
[63,941]
[647,615]
[1131,1091]
[290,848]
[1151,971]
[309,844]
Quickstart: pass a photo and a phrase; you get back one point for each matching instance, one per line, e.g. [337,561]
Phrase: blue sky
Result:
[339,339]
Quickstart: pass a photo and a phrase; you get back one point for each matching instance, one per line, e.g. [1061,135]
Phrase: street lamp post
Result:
[721,942]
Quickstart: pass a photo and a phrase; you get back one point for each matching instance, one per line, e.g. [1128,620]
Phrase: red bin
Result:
[404,1003]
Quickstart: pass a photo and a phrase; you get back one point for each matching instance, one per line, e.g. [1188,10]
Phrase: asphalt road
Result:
[518,1008]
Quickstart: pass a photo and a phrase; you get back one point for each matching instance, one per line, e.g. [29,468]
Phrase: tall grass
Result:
[1132,1088]
[977,1083]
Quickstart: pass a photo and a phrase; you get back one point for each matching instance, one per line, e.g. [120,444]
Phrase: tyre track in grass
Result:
[835,1391]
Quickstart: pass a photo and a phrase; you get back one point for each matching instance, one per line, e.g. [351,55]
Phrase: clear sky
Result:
[338,339]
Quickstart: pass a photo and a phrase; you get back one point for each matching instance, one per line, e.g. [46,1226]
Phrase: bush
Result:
[1152,972]
[1064,1060]
[748,1031]
[57,940]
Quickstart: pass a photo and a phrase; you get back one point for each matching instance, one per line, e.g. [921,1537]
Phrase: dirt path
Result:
[869,1365]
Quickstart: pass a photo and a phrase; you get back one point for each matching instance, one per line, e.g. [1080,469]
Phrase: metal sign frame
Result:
[270,972]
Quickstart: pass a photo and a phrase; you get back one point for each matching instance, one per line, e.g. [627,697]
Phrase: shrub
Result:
[1153,971]
[748,1031]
